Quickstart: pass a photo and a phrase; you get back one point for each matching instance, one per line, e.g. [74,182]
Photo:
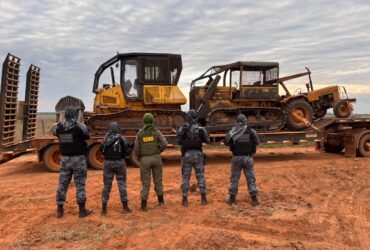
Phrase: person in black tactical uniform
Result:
[243,142]
[114,149]
[72,135]
[191,136]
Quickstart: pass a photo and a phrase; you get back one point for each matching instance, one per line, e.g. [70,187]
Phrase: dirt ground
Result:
[309,200]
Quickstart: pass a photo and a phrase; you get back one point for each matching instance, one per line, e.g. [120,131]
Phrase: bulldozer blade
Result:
[30,103]
[8,99]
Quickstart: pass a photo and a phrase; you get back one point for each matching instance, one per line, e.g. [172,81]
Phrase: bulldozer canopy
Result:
[170,66]
[245,65]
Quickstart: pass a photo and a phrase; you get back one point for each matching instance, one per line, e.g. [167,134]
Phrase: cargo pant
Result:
[151,165]
[192,159]
[246,164]
[111,168]
[72,166]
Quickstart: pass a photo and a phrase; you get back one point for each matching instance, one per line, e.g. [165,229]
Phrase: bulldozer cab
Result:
[242,82]
[255,81]
[139,69]
[246,80]
[145,79]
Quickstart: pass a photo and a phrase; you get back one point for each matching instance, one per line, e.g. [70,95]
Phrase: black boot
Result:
[60,211]
[231,200]
[184,201]
[104,209]
[126,209]
[204,199]
[83,211]
[160,200]
[255,202]
[143,206]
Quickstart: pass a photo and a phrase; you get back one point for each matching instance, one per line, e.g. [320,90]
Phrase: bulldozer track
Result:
[261,119]
[131,120]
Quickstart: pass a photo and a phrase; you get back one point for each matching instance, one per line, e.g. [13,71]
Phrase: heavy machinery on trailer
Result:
[252,88]
[147,83]
[330,134]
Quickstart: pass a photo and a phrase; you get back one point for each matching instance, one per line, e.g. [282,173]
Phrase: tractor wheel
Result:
[134,160]
[299,113]
[51,157]
[320,113]
[342,109]
[95,158]
[333,148]
[364,146]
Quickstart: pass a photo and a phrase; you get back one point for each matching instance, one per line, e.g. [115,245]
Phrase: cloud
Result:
[70,39]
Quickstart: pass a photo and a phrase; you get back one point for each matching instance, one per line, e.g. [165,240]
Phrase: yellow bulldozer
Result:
[147,83]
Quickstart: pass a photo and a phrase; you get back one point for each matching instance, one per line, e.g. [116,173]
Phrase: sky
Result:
[70,39]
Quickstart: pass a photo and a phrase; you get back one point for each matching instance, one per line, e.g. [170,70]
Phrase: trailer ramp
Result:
[9,148]
[8,100]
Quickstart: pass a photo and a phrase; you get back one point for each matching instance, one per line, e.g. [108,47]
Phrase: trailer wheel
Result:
[95,158]
[342,109]
[364,145]
[134,160]
[51,158]
[328,148]
[299,112]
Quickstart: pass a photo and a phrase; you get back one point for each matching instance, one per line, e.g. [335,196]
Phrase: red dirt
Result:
[310,200]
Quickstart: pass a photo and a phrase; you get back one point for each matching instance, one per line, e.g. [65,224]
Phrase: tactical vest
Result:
[191,141]
[114,151]
[149,144]
[71,142]
[245,144]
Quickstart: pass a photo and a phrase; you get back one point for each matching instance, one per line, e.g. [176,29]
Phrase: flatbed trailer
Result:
[329,134]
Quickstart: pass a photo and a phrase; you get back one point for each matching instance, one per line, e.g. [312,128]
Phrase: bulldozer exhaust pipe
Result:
[112,75]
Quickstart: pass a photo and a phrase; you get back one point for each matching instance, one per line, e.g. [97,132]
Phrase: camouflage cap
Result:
[192,116]
[113,128]
[242,119]
[70,113]
[148,118]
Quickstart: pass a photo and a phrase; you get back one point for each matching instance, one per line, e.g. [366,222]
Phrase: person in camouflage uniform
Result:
[114,149]
[149,144]
[72,145]
[243,142]
[191,136]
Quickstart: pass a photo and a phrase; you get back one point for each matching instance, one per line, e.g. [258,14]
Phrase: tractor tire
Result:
[320,114]
[333,148]
[95,158]
[342,109]
[301,110]
[51,157]
[364,145]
